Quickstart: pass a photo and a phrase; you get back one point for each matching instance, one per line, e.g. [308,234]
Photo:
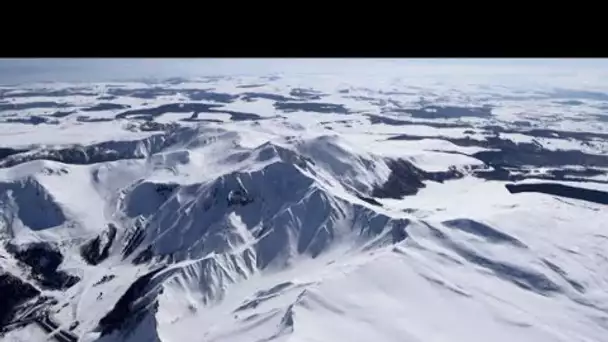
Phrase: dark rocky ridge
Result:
[130,308]
[406,179]
[97,250]
[102,152]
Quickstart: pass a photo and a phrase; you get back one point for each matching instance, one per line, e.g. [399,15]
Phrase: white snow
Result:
[266,239]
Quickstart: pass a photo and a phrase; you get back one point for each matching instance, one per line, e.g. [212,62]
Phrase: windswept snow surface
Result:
[302,208]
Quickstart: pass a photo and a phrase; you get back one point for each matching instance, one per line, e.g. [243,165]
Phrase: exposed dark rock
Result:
[102,152]
[369,200]
[104,279]
[97,249]
[144,256]
[406,179]
[239,197]
[595,196]
[130,306]
[105,106]
[399,230]
[13,292]
[133,238]
[44,260]
[316,107]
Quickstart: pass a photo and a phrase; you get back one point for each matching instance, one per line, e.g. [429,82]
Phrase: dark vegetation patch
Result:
[62,114]
[251,96]
[561,190]
[44,259]
[105,106]
[406,179]
[316,107]
[245,86]
[376,119]
[195,108]
[515,155]
[306,94]
[31,105]
[32,120]
[192,94]
[84,118]
[443,112]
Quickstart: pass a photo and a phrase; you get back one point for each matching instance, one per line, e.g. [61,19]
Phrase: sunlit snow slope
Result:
[304,209]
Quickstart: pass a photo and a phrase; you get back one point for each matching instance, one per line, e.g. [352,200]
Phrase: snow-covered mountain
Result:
[303,208]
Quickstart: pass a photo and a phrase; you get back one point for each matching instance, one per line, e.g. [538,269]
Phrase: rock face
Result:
[13,292]
[97,249]
[44,260]
[406,179]
[131,307]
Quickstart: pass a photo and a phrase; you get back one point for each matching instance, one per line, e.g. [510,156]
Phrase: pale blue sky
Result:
[86,70]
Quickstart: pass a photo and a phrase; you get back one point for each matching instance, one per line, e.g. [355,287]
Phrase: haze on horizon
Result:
[15,71]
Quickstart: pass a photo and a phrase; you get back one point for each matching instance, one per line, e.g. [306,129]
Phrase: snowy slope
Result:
[301,208]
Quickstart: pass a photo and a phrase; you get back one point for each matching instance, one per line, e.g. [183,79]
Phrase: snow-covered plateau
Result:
[303,208]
